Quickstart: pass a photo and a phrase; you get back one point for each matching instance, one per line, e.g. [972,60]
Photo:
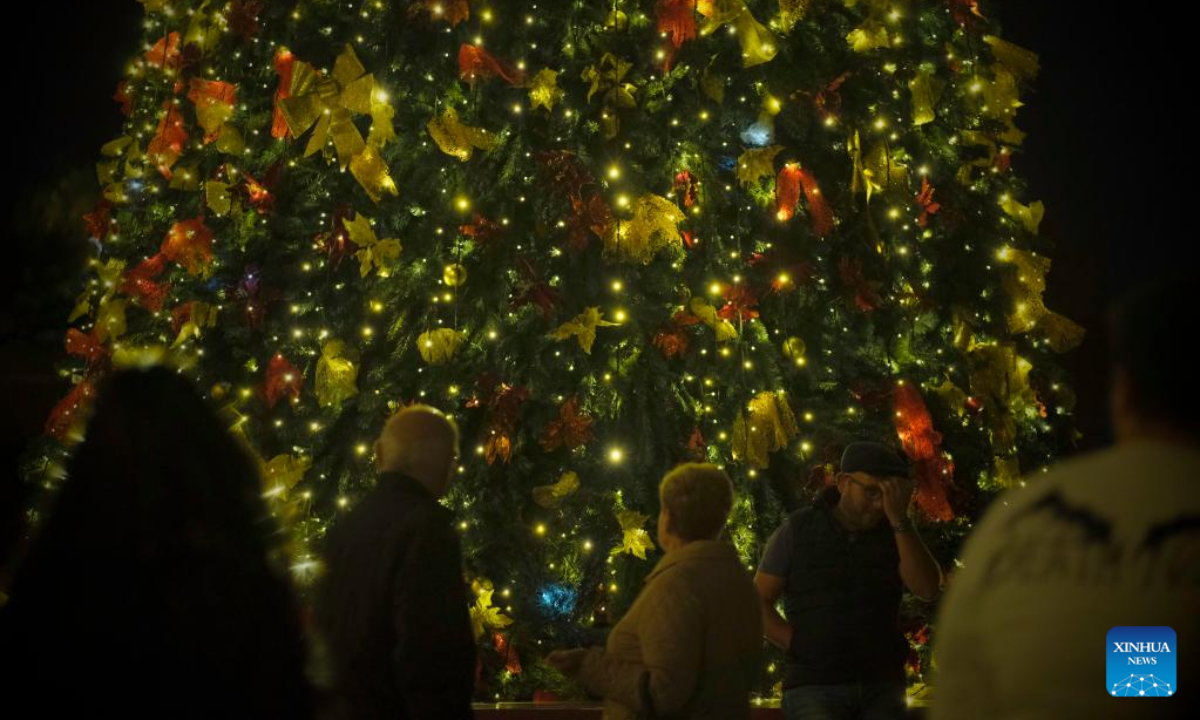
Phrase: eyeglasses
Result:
[873,492]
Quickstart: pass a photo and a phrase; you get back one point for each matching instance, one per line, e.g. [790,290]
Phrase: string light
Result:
[565,122]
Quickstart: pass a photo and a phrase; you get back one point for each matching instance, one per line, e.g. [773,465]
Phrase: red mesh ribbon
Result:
[99,221]
[922,445]
[452,11]
[688,187]
[865,297]
[206,93]
[165,53]
[189,243]
[167,145]
[787,191]
[474,62]
[793,180]
[285,64]
[503,403]
[929,206]
[123,97]
[86,346]
[570,430]
[965,12]
[675,17]
[740,303]
[512,662]
[65,414]
[243,18]
[283,380]
[818,210]
[139,283]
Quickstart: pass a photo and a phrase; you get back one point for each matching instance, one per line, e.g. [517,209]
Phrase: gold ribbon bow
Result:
[127,161]
[583,327]
[792,12]
[441,345]
[337,375]
[708,314]
[484,616]
[550,496]
[284,472]
[634,538]
[202,315]
[926,90]
[1025,285]
[373,253]
[653,227]
[543,89]
[765,426]
[999,378]
[330,103]
[876,170]
[758,43]
[457,139]
[608,77]
[753,165]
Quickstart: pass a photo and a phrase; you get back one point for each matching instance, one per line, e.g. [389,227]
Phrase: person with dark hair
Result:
[1108,540]
[690,644]
[393,606]
[841,570]
[150,590]
[1151,398]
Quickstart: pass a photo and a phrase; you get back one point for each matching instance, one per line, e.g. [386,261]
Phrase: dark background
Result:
[1107,151]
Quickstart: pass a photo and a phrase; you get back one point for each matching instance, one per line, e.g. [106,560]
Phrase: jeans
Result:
[852,701]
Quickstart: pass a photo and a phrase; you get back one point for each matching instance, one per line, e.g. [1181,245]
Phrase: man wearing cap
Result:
[840,566]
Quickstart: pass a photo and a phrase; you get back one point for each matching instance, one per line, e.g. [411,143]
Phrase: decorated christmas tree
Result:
[606,236]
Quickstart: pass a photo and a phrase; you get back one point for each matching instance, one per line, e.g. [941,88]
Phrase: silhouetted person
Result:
[393,607]
[149,591]
[1108,539]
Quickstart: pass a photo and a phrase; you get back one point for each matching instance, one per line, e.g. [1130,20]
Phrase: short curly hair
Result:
[698,498]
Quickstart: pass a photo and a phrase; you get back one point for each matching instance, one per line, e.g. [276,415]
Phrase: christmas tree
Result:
[606,237]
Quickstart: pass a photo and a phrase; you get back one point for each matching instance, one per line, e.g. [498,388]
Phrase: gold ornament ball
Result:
[794,348]
[219,390]
[454,275]
[616,20]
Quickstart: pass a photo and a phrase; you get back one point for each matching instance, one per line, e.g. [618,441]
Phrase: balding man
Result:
[393,606]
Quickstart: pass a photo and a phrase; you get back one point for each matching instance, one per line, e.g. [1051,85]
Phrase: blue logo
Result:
[1141,662]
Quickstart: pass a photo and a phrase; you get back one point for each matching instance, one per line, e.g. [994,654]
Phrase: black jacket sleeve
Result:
[434,657]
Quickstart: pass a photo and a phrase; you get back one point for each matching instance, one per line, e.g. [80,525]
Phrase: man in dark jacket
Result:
[840,566]
[393,607]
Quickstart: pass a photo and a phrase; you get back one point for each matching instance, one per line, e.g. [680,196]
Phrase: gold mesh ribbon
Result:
[337,375]
[653,227]
[583,327]
[765,426]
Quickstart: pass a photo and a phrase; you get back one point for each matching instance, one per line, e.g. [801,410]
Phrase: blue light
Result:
[558,599]
[757,135]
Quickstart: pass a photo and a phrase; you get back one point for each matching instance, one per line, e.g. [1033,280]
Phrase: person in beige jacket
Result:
[690,645]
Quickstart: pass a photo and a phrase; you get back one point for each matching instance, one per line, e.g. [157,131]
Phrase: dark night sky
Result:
[1101,140]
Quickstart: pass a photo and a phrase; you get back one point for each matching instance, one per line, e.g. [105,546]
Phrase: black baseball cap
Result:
[873,458]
